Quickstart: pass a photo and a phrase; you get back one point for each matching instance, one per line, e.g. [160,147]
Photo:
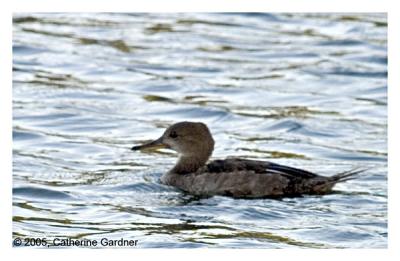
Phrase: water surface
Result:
[307,90]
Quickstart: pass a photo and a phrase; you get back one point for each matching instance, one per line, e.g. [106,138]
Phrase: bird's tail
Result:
[318,187]
[347,175]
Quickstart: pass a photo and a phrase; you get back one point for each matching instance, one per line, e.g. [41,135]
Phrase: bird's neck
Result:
[190,163]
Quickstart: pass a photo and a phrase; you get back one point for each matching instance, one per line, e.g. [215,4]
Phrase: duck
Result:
[235,177]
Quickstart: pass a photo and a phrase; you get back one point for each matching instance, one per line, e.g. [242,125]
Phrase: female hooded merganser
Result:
[235,177]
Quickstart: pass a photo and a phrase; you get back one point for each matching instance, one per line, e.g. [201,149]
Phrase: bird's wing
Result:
[259,167]
[290,171]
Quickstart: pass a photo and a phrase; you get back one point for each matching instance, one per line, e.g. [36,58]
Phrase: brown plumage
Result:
[236,177]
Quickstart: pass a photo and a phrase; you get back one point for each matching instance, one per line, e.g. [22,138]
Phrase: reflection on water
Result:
[308,90]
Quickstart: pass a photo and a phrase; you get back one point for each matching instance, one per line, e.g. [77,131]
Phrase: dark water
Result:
[308,90]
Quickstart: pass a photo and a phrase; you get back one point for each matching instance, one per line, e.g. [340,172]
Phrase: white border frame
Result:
[198,6]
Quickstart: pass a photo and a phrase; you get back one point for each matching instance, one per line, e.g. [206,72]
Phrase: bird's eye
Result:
[173,135]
